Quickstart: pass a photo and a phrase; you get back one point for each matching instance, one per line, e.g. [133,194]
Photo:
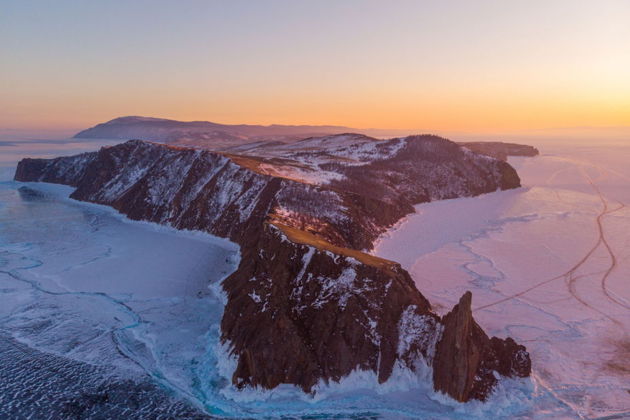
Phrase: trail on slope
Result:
[569,275]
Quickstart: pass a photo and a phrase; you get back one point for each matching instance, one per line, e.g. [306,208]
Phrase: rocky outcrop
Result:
[306,304]
[500,150]
[68,170]
[467,363]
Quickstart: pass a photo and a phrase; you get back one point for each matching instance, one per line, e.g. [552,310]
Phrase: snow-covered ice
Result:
[80,281]
[548,265]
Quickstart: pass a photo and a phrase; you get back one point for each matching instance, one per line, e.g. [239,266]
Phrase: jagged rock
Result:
[305,304]
[467,362]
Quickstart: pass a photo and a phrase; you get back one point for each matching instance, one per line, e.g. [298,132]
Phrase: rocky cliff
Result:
[306,304]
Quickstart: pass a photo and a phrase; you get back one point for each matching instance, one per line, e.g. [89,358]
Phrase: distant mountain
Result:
[245,138]
[202,133]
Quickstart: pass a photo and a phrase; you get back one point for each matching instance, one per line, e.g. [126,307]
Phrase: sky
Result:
[471,66]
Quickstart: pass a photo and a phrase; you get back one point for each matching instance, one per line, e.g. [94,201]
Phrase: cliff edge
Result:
[307,303]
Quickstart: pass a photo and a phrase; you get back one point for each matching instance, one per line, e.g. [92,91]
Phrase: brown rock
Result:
[297,314]
[467,362]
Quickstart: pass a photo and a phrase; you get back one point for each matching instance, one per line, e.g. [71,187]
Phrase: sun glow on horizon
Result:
[460,66]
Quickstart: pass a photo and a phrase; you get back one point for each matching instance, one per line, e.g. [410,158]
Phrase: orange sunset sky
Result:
[474,66]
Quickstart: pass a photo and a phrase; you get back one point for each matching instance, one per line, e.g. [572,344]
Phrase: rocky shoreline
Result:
[306,303]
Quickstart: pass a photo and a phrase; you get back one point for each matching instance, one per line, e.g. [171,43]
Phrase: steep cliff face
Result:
[306,304]
[68,170]
[323,314]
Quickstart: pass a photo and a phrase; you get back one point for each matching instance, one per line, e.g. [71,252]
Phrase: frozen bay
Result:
[80,282]
[548,264]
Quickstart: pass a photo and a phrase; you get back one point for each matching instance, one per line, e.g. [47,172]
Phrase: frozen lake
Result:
[127,313]
[548,264]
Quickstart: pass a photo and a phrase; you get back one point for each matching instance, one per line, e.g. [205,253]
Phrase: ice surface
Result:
[81,282]
[540,268]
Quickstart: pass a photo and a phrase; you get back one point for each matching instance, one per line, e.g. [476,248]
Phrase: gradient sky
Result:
[477,66]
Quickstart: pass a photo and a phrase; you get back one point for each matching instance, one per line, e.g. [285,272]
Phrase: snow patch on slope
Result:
[417,330]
